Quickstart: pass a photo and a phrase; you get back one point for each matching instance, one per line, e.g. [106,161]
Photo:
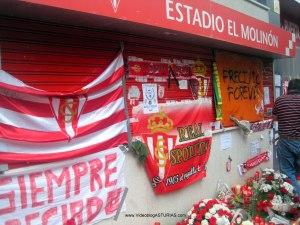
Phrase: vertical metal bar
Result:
[121,204]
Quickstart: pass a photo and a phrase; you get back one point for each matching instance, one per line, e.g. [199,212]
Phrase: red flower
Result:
[199,215]
[249,181]
[283,190]
[221,212]
[264,205]
[246,191]
[293,211]
[258,219]
[213,221]
[296,199]
[271,195]
[197,223]
[289,181]
[228,214]
[270,178]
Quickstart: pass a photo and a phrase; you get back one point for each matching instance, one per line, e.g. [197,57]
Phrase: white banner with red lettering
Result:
[80,191]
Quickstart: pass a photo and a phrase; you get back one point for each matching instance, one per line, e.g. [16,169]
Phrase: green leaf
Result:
[140,150]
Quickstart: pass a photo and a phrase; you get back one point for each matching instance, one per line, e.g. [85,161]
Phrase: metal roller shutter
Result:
[63,58]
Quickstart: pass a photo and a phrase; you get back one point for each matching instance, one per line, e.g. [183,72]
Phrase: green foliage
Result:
[140,150]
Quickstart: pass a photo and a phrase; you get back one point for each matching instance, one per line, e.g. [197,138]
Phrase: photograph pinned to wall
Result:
[150,102]
[133,94]
[161,91]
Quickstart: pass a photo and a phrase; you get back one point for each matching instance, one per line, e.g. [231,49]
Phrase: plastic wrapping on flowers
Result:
[265,196]
[264,192]
[208,211]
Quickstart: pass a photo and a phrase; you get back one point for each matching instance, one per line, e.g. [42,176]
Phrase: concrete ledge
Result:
[224,130]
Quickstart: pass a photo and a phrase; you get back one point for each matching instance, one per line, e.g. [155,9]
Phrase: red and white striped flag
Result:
[40,126]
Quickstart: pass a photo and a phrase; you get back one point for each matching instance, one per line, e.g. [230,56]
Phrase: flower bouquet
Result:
[265,191]
[208,212]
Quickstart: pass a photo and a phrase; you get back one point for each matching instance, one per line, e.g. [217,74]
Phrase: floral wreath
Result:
[208,212]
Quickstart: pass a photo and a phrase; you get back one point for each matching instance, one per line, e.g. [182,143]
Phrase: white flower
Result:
[247,223]
[205,200]
[284,176]
[193,216]
[277,176]
[201,204]
[219,220]
[191,221]
[226,221]
[204,222]
[213,210]
[222,221]
[268,171]
[277,200]
[190,212]
[217,206]
[265,187]
[207,215]
[288,187]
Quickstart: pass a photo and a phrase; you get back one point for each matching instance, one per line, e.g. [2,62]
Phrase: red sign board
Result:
[202,18]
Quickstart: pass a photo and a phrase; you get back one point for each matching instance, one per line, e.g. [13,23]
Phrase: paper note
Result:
[150,102]
[266,96]
[277,92]
[183,84]
[277,79]
[226,141]
[255,148]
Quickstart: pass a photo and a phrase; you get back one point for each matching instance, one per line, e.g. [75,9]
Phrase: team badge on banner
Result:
[80,191]
[178,138]
[37,126]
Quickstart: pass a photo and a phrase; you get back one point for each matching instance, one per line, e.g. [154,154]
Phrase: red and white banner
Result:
[79,191]
[178,138]
[253,162]
[40,126]
[204,18]
[261,125]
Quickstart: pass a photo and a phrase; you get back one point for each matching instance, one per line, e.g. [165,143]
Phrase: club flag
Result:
[39,126]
